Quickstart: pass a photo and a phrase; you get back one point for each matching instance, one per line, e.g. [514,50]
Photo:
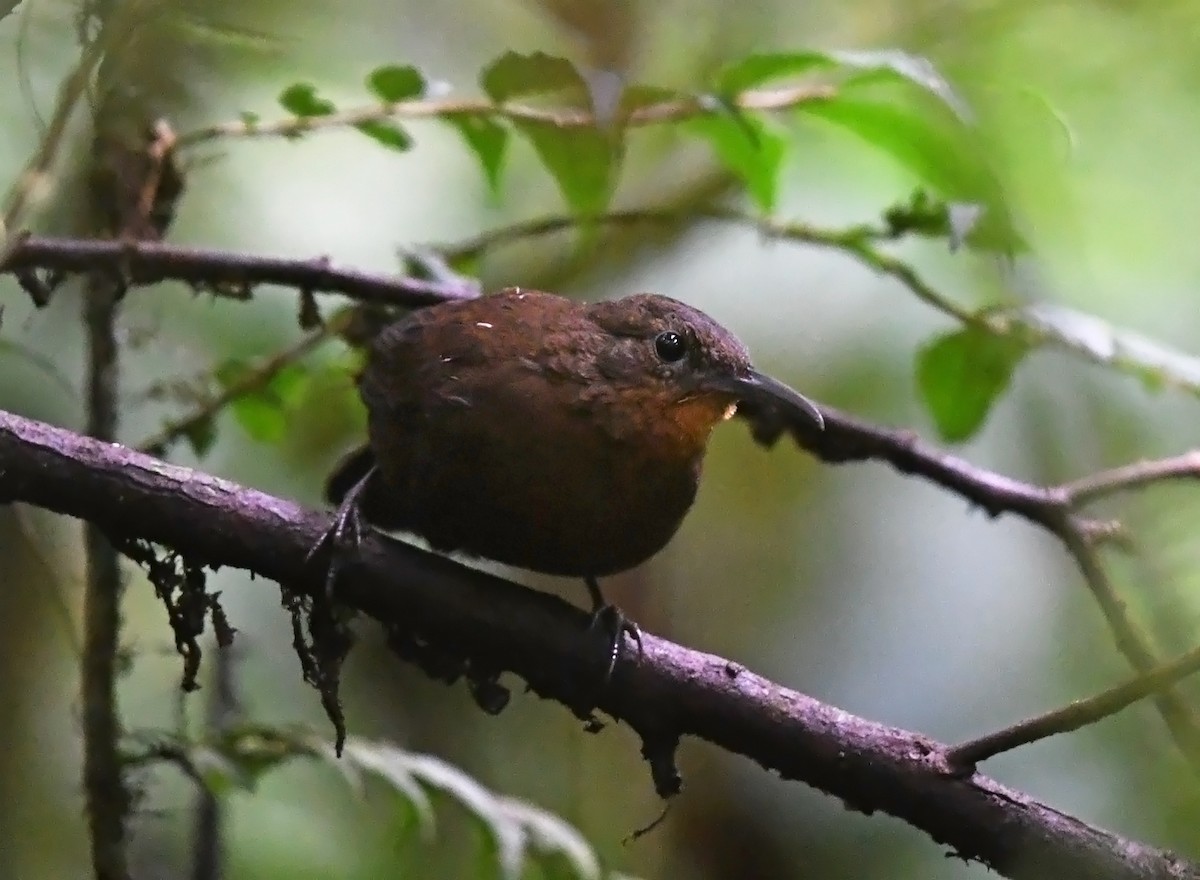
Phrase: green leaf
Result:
[201,436]
[501,845]
[386,763]
[938,151]
[465,262]
[238,758]
[753,70]
[584,162]
[395,83]
[553,840]
[920,215]
[514,75]
[515,834]
[583,159]
[264,412]
[1155,364]
[389,134]
[961,374]
[894,63]
[231,372]
[289,385]
[920,132]
[219,775]
[263,419]
[488,140]
[301,99]
[927,216]
[749,147]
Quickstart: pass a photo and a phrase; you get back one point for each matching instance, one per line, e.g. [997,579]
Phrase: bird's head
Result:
[673,364]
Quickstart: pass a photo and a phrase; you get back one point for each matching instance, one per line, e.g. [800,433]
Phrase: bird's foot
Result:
[613,622]
[343,537]
[616,626]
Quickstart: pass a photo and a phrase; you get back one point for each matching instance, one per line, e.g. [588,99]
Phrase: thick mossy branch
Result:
[502,626]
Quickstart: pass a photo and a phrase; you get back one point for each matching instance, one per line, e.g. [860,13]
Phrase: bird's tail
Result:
[352,468]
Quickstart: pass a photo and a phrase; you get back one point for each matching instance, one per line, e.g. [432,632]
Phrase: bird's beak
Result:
[755,388]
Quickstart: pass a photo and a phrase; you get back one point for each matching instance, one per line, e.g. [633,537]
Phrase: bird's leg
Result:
[615,623]
[343,535]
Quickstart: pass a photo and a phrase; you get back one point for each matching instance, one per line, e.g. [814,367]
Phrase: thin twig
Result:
[223,709]
[107,797]
[664,111]
[32,179]
[252,380]
[854,240]
[1134,645]
[849,439]
[965,756]
[223,273]
[104,787]
[477,246]
[1133,476]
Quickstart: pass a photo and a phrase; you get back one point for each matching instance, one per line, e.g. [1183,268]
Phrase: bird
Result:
[544,433]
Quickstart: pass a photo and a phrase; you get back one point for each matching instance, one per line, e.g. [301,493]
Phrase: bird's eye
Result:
[670,346]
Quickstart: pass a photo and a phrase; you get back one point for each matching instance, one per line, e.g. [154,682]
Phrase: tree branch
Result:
[670,691]
[1132,642]
[224,707]
[561,117]
[1053,508]
[844,439]
[856,241]
[1134,476]
[255,379]
[223,273]
[1074,716]
[104,787]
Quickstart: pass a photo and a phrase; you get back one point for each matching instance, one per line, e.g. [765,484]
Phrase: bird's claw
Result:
[615,623]
[617,626]
[341,540]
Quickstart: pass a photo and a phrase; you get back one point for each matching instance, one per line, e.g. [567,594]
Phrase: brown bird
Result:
[543,433]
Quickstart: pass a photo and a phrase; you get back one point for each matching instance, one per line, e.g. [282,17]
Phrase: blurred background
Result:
[880,594]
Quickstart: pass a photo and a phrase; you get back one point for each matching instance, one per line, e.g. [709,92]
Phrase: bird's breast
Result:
[533,479]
